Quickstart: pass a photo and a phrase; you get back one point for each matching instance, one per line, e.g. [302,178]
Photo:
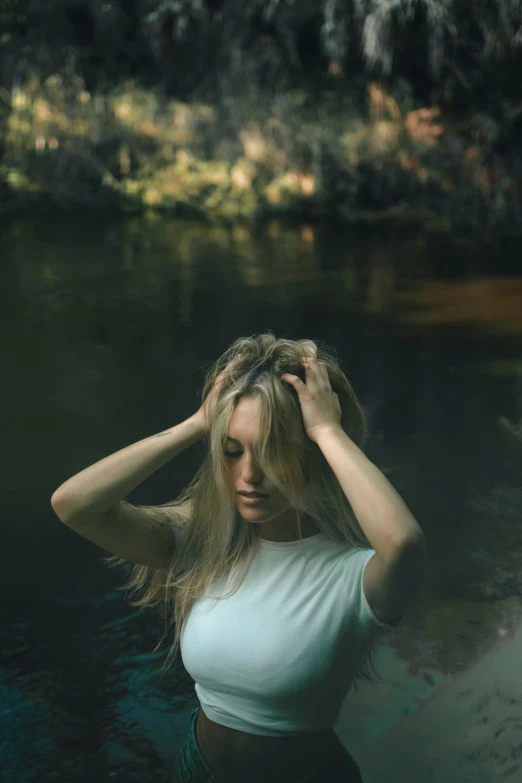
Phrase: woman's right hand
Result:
[203,413]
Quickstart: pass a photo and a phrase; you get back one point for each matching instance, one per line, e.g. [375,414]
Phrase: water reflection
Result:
[486,305]
[108,325]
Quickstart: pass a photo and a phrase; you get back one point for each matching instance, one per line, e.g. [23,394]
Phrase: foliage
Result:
[453,45]
[211,101]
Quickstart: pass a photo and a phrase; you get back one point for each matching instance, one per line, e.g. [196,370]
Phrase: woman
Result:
[326,558]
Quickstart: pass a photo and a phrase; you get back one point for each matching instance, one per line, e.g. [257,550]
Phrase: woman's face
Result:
[273,514]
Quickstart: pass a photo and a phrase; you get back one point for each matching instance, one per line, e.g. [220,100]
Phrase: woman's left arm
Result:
[381,512]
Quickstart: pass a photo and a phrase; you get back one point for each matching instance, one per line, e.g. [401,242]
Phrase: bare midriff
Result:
[238,757]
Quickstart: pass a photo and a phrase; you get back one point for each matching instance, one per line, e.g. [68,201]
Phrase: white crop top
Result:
[278,657]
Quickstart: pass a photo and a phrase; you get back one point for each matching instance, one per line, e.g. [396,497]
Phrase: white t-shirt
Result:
[278,657]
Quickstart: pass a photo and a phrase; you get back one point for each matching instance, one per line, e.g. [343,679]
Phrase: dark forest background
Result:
[354,109]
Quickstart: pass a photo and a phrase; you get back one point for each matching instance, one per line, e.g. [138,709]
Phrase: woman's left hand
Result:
[319,403]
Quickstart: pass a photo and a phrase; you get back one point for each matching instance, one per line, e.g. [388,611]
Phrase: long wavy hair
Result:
[211,536]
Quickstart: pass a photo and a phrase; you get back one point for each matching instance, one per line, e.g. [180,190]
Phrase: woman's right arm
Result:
[91,502]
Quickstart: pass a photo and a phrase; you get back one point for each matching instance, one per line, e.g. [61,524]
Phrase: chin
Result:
[252,520]
[252,513]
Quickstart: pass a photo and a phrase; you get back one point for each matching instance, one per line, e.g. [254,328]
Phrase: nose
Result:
[251,470]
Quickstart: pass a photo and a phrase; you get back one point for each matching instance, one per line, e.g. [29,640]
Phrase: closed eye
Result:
[233,453]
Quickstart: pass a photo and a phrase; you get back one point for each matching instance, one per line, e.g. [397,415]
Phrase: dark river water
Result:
[108,324]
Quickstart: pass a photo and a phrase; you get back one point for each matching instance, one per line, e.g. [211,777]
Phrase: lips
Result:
[244,494]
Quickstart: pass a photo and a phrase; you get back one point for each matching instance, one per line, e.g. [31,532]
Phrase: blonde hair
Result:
[211,536]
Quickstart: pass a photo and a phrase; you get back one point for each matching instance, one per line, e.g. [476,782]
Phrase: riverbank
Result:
[467,728]
[310,156]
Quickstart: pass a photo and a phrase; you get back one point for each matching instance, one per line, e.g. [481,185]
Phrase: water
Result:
[108,324]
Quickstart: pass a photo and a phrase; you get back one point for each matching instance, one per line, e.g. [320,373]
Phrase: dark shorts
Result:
[339,767]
